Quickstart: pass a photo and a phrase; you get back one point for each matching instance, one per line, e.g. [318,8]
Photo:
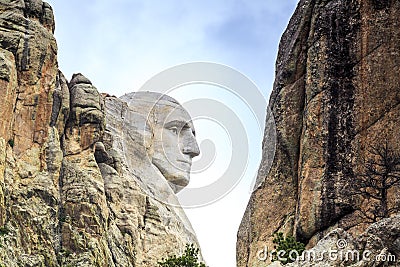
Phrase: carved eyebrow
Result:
[175,123]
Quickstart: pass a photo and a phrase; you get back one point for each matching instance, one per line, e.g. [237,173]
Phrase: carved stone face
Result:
[174,143]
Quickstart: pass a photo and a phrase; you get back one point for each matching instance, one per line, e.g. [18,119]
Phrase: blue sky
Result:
[121,44]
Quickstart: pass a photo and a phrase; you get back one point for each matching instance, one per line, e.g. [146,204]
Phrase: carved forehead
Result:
[148,98]
[166,112]
[163,107]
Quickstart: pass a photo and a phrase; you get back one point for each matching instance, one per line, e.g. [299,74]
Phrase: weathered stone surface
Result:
[78,78]
[68,195]
[26,32]
[84,213]
[85,125]
[61,104]
[31,199]
[30,153]
[336,93]
[8,92]
[377,246]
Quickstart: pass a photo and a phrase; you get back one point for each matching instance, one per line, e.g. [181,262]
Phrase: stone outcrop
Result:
[379,245]
[30,150]
[336,94]
[67,195]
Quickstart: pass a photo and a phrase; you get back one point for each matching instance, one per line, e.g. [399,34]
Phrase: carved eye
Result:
[174,129]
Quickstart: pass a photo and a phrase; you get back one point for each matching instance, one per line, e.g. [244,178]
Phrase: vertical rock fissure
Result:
[41,64]
[61,215]
[340,33]
[56,102]
[302,108]
[25,52]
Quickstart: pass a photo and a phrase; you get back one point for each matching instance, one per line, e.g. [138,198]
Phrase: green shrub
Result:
[4,230]
[11,143]
[288,247]
[188,259]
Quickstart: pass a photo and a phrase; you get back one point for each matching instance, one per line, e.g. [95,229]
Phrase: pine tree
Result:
[188,259]
[381,173]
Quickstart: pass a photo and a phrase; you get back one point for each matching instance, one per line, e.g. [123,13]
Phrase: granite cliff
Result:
[336,95]
[67,195]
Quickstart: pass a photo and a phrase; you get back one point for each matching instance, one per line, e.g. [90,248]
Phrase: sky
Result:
[122,44]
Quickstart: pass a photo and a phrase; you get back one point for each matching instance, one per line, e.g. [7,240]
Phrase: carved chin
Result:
[177,179]
[176,188]
[177,182]
[181,181]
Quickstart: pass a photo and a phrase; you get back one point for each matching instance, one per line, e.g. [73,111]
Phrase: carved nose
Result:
[191,147]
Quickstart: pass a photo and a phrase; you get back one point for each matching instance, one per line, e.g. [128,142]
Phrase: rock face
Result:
[67,195]
[336,94]
[377,246]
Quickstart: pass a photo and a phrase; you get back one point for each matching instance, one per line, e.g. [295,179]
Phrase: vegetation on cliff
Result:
[189,258]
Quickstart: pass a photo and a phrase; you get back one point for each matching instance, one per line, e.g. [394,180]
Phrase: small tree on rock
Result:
[286,249]
[381,173]
[189,258]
